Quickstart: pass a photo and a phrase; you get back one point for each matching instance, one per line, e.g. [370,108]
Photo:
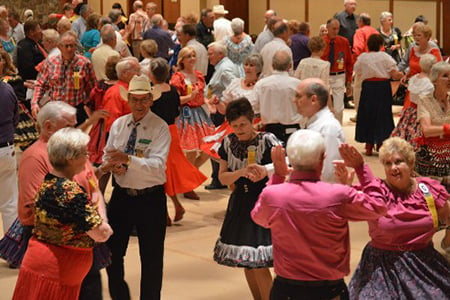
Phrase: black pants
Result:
[283,289]
[282,132]
[148,213]
[91,287]
[81,114]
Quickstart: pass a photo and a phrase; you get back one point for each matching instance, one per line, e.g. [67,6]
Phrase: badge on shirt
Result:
[140,148]
[144,141]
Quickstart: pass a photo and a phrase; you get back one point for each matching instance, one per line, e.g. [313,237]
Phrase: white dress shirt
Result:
[99,58]
[326,124]
[153,141]
[263,38]
[202,56]
[269,50]
[313,67]
[222,28]
[275,99]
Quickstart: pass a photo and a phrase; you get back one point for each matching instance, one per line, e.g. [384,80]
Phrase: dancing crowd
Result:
[124,100]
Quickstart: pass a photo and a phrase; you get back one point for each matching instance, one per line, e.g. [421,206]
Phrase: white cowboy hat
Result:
[219,9]
[140,85]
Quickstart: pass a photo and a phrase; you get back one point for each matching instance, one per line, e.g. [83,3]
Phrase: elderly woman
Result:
[238,88]
[433,113]
[67,224]
[181,176]
[91,38]
[50,39]
[400,261]
[408,126]
[8,43]
[374,121]
[239,45]
[422,34]
[310,237]
[242,243]
[194,123]
[392,36]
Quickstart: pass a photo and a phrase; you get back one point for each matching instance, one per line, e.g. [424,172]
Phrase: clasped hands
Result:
[115,162]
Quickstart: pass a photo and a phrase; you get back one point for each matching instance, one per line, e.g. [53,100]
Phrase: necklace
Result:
[249,83]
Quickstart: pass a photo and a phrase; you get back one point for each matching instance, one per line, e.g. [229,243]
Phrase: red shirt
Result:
[343,60]
[360,40]
[178,80]
[115,104]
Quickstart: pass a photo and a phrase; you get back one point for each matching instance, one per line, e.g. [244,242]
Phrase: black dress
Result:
[243,243]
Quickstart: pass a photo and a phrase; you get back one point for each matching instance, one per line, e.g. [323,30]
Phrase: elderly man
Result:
[79,25]
[16,28]
[33,167]
[186,37]
[222,26]
[136,27]
[126,68]
[104,51]
[29,51]
[308,220]
[150,10]
[138,146]
[347,20]
[8,175]
[274,96]
[67,77]
[339,54]
[204,28]
[311,100]
[160,36]
[266,35]
[224,72]
[279,42]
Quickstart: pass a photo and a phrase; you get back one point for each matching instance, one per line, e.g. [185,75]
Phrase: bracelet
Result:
[446,129]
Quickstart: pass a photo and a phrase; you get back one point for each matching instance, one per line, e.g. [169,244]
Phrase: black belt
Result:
[136,192]
[337,73]
[316,283]
[6,144]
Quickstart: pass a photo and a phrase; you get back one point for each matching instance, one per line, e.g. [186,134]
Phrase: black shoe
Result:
[215,186]
[349,104]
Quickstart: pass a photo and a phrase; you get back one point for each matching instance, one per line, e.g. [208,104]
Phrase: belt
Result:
[137,192]
[316,283]
[376,79]
[337,73]
[6,144]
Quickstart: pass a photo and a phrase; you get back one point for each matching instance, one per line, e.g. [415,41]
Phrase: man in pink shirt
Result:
[308,219]
[33,167]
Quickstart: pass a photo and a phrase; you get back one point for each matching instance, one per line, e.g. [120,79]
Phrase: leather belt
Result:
[337,73]
[6,144]
[140,192]
[316,283]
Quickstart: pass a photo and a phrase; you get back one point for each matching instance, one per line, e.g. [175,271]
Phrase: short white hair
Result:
[67,143]
[305,149]
[427,61]
[124,64]
[53,111]
[219,48]
[437,69]
[237,25]
[384,15]
[51,35]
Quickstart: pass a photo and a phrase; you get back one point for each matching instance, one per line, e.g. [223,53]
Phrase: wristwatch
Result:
[128,161]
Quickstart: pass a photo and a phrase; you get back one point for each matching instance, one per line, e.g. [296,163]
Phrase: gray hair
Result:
[53,111]
[125,64]
[305,149]
[437,69]
[70,33]
[84,9]
[237,25]
[160,69]
[281,61]
[219,48]
[255,59]
[396,145]
[426,62]
[108,33]
[51,35]
[114,15]
[320,90]
[384,15]
[138,4]
[157,19]
[65,144]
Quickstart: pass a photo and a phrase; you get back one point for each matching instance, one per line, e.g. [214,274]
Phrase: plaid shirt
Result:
[57,79]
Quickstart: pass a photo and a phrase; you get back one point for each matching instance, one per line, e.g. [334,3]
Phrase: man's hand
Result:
[256,172]
[279,161]
[351,156]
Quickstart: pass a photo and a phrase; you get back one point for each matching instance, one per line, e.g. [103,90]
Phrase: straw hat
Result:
[219,9]
[140,85]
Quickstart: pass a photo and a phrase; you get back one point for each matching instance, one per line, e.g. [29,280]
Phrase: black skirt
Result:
[374,121]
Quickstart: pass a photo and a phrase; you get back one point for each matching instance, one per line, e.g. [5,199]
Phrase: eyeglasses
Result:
[67,46]
[143,100]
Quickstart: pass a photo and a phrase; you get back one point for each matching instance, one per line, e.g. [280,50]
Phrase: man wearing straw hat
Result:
[137,149]
[222,26]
